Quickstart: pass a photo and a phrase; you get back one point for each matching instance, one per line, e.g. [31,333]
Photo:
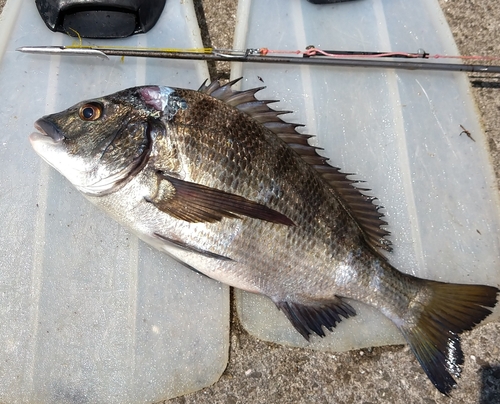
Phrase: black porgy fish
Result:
[215,178]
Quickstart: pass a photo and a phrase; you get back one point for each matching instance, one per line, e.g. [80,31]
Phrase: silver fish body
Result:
[215,178]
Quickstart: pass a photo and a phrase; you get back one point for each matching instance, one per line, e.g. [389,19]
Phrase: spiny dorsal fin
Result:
[361,206]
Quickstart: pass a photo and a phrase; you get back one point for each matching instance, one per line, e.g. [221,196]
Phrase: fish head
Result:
[99,144]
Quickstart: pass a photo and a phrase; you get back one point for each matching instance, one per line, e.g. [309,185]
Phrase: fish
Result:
[217,179]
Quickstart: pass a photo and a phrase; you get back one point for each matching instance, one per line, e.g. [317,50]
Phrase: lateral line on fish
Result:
[354,197]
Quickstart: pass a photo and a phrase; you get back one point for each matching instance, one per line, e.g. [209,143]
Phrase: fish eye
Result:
[90,112]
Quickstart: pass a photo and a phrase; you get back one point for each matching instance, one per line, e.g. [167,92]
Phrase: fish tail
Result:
[436,317]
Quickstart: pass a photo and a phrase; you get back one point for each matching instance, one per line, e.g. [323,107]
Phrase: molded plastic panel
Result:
[89,313]
[398,130]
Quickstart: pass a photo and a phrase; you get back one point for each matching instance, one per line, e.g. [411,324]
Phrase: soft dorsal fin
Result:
[361,206]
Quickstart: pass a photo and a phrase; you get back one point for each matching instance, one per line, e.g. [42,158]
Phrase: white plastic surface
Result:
[88,313]
[398,130]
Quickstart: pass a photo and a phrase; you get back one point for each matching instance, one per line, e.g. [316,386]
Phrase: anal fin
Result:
[310,318]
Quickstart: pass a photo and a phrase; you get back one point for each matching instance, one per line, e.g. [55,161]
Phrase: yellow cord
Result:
[167,50]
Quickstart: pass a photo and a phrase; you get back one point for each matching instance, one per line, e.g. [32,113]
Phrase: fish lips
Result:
[49,132]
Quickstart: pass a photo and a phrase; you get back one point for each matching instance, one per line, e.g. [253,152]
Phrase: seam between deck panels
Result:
[39,231]
[11,10]
[305,71]
[240,37]
[400,133]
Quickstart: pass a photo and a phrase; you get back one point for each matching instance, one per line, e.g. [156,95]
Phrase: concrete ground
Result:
[261,372]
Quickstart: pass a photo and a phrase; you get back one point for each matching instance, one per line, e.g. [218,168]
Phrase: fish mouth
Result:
[47,132]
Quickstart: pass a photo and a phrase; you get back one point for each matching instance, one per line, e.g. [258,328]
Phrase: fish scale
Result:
[220,182]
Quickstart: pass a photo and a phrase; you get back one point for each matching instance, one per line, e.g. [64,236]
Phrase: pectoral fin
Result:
[198,203]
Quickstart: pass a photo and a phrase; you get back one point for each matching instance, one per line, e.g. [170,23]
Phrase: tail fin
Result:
[433,330]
